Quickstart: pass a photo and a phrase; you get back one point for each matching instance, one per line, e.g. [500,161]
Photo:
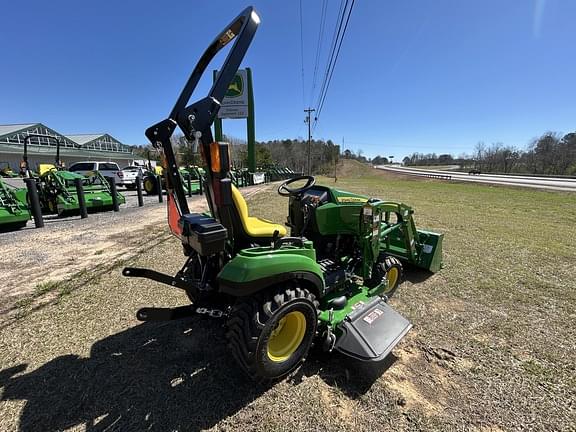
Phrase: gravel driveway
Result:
[34,260]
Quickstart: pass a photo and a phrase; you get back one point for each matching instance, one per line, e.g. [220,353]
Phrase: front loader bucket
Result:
[430,257]
[371,331]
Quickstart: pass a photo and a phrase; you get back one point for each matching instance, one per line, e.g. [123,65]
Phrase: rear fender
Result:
[247,274]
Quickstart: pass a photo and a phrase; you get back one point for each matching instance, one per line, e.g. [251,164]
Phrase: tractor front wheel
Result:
[388,268]
[271,334]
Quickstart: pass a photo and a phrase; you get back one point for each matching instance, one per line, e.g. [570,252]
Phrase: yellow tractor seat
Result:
[253,226]
[44,168]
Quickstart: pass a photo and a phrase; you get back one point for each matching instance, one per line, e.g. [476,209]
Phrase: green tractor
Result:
[14,213]
[276,173]
[150,182]
[240,177]
[57,190]
[191,176]
[327,281]
[6,170]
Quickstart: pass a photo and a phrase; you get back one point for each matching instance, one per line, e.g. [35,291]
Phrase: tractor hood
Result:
[345,197]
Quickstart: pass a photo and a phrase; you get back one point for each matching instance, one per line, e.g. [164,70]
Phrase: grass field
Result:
[493,345]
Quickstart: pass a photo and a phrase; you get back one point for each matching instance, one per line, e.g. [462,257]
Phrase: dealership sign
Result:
[235,103]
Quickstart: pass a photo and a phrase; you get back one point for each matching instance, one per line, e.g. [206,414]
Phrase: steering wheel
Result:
[285,191]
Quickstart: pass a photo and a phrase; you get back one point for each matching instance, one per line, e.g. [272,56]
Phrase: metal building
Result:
[73,148]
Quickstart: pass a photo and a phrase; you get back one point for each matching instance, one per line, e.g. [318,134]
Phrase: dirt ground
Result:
[35,261]
[493,346]
[85,363]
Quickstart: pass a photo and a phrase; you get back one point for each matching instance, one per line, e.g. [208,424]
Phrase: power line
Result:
[321,105]
[338,18]
[302,54]
[335,37]
[319,45]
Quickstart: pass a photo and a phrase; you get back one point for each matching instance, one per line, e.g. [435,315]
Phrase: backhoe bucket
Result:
[371,331]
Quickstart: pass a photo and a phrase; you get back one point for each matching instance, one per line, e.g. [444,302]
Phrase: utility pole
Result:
[307,120]
[336,160]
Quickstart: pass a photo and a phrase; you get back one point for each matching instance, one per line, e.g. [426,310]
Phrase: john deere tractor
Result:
[56,187]
[150,182]
[7,171]
[327,280]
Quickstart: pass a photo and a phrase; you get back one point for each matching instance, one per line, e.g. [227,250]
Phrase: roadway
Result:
[552,183]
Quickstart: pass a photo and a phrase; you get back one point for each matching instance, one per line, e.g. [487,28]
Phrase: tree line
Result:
[551,154]
[286,153]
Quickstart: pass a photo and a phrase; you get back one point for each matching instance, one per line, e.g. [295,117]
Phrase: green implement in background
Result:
[14,213]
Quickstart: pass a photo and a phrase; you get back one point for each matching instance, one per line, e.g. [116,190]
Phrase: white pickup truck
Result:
[130,174]
[107,169]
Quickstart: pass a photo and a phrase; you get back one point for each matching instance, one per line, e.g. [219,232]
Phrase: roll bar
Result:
[27,139]
[196,119]
[242,28]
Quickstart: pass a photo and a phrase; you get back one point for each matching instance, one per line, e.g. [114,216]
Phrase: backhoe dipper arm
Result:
[195,119]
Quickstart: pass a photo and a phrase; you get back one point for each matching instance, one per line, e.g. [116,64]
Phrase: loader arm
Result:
[380,232]
[399,237]
[404,222]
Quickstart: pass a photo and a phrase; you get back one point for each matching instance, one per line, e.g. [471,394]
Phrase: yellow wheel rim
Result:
[392,277]
[148,186]
[287,336]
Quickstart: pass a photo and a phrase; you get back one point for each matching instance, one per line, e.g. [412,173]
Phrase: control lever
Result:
[298,241]
[197,136]
[275,237]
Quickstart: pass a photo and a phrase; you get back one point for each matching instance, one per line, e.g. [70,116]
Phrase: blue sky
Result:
[413,75]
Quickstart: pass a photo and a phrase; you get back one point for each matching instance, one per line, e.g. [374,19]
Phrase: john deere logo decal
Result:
[236,87]
[351,199]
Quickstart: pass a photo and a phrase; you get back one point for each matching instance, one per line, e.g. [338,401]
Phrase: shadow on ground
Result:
[168,376]
[175,375]
[416,274]
[354,378]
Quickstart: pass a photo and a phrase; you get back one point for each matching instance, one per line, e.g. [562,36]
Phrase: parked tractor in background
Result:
[150,182]
[276,173]
[6,170]
[57,189]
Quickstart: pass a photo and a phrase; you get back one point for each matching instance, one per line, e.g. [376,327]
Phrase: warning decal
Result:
[373,316]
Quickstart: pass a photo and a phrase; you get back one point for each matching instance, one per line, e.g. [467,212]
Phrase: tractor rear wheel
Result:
[270,334]
[389,268]
[150,186]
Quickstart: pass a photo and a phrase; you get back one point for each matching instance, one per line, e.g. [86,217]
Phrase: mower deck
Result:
[371,331]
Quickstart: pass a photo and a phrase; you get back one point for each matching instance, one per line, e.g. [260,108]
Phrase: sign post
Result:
[238,104]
